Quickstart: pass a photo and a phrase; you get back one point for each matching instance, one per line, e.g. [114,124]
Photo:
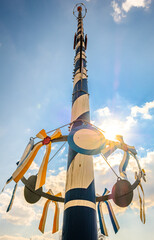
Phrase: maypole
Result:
[85,140]
[80,204]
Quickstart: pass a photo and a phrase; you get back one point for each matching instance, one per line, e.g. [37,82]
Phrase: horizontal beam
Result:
[60,139]
[42,194]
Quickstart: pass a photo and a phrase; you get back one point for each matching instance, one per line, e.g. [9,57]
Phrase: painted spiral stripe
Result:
[79,210]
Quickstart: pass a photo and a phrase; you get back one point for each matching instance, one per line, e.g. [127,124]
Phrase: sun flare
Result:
[112,128]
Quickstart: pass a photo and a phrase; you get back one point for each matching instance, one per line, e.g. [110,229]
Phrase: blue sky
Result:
[36,65]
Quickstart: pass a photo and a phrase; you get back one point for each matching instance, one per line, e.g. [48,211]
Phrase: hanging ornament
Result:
[31,195]
[122,193]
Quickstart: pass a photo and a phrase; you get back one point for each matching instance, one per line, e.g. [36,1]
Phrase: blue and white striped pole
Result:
[79,221]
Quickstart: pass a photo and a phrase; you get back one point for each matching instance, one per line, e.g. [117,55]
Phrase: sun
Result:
[112,128]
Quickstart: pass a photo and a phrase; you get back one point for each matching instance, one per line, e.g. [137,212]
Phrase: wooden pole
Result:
[79,221]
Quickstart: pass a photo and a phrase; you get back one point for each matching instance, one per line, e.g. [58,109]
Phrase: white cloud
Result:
[125,125]
[103,112]
[24,213]
[143,111]
[101,165]
[51,171]
[46,236]
[21,213]
[121,8]
[141,149]
[34,166]
[56,182]
[105,178]
[148,159]
[128,4]
[118,13]
[8,237]
[112,125]
[147,164]
[62,151]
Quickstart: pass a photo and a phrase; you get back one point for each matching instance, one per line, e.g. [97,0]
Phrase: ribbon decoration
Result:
[111,214]
[27,150]
[112,217]
[127,151]
[142,202]
[8,181]
[101,217]
[43,168]
[24,166]
[56,214]
[12,198]
[112,146]
[28,157]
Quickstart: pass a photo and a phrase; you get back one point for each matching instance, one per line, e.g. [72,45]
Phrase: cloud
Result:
[143,111]
[46,236]
[62,150]
[34,166]
[101,165]
[8,237]
[110,122]
[128,4]
[147,164]
[57,182]
[113,125]
[121,8]
[118,13]
[105,178]
[24,214]
[103,112]
[21,213]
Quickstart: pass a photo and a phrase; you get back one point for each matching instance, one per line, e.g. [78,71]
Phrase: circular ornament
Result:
[32,196]
[79,7]
[86,139]
[122,193]
[46,140]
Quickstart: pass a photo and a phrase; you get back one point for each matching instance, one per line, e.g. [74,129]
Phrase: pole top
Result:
[79,8]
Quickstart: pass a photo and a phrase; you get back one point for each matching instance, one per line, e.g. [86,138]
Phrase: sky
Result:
[36,65]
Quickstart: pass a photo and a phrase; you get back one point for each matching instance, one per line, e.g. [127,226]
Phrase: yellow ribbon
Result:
[142,202]
[22,169]
[55,227]
[43,168]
